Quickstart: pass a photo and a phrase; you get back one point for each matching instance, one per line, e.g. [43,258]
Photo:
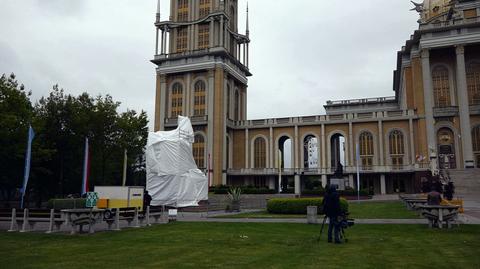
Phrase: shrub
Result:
[298,206]
[59,204]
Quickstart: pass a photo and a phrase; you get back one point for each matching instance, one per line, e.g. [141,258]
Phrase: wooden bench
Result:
[438,214]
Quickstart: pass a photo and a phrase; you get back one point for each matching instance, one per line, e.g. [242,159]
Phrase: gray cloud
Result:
[62,7]
[303,52]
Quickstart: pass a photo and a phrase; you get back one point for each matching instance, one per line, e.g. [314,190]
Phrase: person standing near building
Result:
[331,208]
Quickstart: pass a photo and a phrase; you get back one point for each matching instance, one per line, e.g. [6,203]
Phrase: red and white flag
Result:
[86,168]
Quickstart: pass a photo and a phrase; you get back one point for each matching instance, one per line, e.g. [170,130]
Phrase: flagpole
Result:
[28,157]
[124,168]
[86,168]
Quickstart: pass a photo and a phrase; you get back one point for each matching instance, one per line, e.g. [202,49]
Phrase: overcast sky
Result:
[303,52]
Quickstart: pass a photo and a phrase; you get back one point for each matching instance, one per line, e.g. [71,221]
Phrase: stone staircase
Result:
[467,182]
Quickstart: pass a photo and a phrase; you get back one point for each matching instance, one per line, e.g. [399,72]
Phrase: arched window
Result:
[473,83]
[366,150]
[237,105]
[199,151]
[182,13]
[176,97]
[260,153]
[476,144]
[441,87]
[228,102]
[204,8]
[199,100]
[397,148]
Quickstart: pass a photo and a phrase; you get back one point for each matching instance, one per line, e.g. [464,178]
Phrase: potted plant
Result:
[234,197]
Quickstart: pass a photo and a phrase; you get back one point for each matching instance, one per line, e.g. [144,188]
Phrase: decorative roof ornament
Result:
[418,7]
[435,10]
[248,28]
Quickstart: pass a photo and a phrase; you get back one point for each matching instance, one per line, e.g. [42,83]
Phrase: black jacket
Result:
[331,203]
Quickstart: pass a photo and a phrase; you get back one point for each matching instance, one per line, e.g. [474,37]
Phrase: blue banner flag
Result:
[28,157]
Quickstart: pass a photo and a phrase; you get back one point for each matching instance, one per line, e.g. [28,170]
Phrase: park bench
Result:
[415,203]
[157,212]
[29,217]
[438,214]
[81,217]
[130,214]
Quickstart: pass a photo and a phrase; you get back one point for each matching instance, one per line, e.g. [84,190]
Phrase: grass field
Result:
[241,245]
[363,210]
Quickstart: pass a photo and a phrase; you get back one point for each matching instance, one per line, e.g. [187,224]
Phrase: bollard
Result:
[13,224]
[148,216]
[52,220]
[25,221]
[135,219]
[117,220]
[312,214]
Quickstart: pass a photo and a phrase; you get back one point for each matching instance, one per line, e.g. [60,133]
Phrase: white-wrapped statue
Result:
[173,178]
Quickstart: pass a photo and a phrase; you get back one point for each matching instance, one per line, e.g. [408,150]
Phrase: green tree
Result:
[15,116]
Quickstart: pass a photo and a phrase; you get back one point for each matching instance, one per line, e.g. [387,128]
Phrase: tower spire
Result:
[247,28]
[158,11]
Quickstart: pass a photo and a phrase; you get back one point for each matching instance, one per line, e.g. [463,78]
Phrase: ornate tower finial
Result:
[248,28]
[158,11]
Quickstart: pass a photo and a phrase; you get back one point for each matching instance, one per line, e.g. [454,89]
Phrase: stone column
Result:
[464,109]
[297,184]
[246,148]
[165,48]
[188,104]
[383,185]
[381,144]
[210,106]
[323,150]
[295,149]
[412,142]
[211,33]
[248,56]
[163,101]
[428,96]
[156,41]
[272,150]
[351,145]
[221,32]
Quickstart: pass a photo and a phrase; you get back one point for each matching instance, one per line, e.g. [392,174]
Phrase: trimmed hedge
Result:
[299,205]
[59,204]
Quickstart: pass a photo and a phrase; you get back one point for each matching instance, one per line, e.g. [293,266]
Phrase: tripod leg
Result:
[323,225]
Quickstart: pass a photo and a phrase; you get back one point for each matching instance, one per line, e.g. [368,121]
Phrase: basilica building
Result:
[430,123]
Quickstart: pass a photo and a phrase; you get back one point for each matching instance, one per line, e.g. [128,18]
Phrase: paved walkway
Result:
[471,216]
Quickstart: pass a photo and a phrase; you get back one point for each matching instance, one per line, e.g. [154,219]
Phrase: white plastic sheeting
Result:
[173,178]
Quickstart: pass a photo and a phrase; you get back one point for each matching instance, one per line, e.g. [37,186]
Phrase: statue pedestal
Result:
[339,182]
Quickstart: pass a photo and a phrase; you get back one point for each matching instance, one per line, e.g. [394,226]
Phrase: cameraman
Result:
[331,209]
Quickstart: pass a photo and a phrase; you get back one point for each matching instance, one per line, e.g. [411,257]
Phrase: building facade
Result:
[431,121]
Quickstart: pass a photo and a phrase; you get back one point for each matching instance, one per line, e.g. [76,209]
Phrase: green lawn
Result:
[242,245]
[362,210]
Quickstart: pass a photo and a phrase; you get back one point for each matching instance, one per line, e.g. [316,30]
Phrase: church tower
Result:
[202,69]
